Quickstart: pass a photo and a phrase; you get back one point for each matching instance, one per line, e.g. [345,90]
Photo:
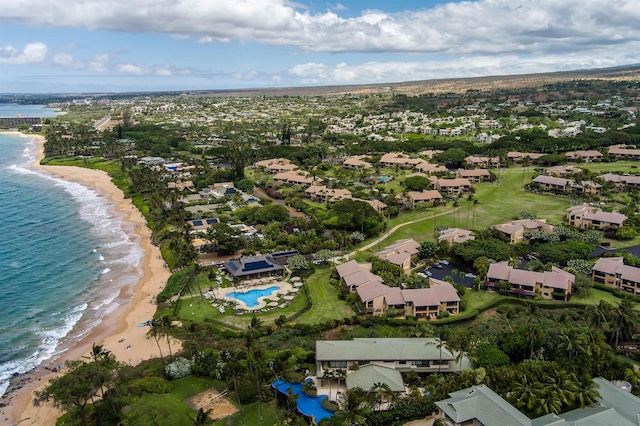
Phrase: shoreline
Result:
[119,331]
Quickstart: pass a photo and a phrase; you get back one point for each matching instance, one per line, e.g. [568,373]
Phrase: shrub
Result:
[151,385]
[179,368]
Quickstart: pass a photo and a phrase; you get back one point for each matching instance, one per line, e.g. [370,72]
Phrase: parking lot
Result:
[441,270]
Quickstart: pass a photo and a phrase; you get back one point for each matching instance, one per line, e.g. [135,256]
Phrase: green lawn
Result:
[326,304]
[594,296]
[179,413]
[497,203]
[615,167]
[251,415]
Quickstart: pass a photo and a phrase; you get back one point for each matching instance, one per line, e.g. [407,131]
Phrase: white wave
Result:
[105,302]
[100,257]
[46,350]
[105,271]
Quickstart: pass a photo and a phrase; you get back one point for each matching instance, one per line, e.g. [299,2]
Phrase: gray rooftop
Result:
[380,349]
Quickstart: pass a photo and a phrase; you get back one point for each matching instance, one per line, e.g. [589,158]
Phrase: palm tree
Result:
[234,372]
[329,376]
[253,358]
[439,344]
[623,320]
[524,393]
[166,325]
[381,391]
[155,333]
[572,341]
[354,407]
[587,392]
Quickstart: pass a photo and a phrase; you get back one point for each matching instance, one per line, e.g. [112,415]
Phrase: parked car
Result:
[470,275]
[444,262]
[437,266]
[428,273]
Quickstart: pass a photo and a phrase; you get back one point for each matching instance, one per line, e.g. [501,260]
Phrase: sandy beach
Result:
[119,332]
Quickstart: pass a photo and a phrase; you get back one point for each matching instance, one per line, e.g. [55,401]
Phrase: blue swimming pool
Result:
[307,405]
[384,179]
[250,298]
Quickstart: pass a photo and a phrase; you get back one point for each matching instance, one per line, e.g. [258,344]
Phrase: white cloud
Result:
[396,71]
[472,28]
[131,69]
[31,53]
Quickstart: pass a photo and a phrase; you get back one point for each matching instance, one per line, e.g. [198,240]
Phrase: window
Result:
[337,364]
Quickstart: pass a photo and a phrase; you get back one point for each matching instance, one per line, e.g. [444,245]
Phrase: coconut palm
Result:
[623,321]
[524,393]
[354,407]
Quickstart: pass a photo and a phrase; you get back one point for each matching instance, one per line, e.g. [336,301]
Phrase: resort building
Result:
[453,186]
[298,177]
[588,156]
[430,153]
[356,163]
[479,405]
[422,355]
[514,231]
[556,284]
[401,253]
[584,216]
[250,267]
[518,157]
[393,159]
[414,197]
[622,152]
[482,161]
[621,181]
[455,236]
[182,186]
[201,225]
[322,194]
[555,184]
[475,175]
[561,170]
[275,165]
[612,272]
[377,298]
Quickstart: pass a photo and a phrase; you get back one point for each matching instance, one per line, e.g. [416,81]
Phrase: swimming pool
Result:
[384,179]
[250,298]
[307,405]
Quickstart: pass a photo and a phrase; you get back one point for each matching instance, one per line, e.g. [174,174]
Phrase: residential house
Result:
[482,161]
[377,205]
[556,284]
[587,156]
[426,167]
[430,153]
[514,231]
[355,274]
[475,175]
[422,355]
[455,236]
[612,272]
[479,405]
[401,253]
[182,186]
[584,216]
[200,225]
[453,186]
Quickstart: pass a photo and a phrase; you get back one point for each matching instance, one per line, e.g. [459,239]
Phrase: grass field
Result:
[326,305]
[251,415]
[616,167]
[179,413]
[497,203]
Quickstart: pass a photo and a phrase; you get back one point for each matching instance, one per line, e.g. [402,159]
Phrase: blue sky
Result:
[123,45]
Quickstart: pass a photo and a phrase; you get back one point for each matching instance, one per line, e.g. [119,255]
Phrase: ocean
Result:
[64,257]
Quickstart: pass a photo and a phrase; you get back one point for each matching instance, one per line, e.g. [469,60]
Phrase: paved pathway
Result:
[392,230]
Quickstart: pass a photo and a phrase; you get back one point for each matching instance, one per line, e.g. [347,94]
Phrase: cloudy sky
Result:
[134,45]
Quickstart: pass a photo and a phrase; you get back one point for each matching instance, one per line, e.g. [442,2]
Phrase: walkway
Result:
[392,230]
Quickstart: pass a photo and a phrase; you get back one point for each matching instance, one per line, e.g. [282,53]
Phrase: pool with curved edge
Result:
[251,297]
[310,406]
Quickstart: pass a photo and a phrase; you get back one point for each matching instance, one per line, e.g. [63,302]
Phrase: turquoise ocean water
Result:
[64,257]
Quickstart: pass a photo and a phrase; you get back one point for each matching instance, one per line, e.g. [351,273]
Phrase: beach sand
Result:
[119,332]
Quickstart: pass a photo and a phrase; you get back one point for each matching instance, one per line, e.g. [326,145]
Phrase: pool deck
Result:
[283,289]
